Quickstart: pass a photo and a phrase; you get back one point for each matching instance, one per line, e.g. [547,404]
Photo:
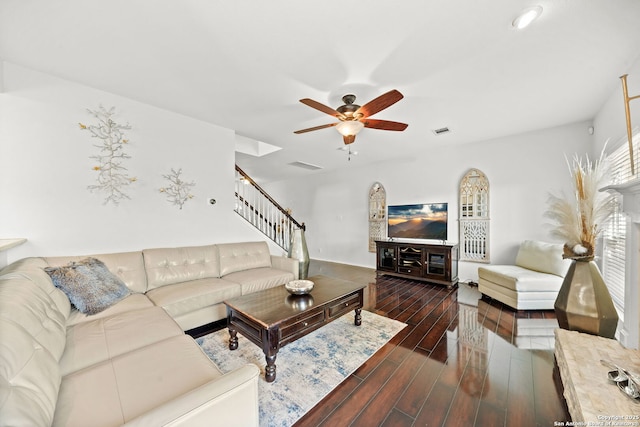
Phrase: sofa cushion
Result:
[167,266]
[258,279]
[190,296]
[543,257]
[89,284]
[126,386]
[243,256]
[28,306]
[132,302]
[205,315]
[128,266]
[32,269]
[29,378]
[520,279]
[532,300]
[98,340]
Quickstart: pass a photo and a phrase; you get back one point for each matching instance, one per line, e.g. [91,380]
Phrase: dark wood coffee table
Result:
[273,318]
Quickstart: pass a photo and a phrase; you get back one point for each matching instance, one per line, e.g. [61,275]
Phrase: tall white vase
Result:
[298,250]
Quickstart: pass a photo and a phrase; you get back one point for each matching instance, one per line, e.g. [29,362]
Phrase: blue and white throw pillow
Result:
[88,284]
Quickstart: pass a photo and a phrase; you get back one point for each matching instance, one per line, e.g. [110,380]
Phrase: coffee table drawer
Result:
[301,326]
[248,328]
[345,304]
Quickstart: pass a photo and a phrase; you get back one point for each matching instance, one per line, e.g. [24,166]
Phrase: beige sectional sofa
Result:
[131,363]
[532,283]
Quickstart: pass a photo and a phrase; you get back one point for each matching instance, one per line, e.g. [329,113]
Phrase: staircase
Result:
[264,213]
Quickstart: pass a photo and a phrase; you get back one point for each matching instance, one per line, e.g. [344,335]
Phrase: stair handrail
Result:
[271,200]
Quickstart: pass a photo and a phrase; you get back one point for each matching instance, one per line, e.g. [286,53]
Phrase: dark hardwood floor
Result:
[462,361]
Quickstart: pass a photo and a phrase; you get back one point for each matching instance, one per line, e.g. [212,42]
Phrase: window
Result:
[614,233]
[474,217]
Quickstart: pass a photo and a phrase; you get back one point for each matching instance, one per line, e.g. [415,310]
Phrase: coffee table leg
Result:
[270,369]
[358,319]
[233,338]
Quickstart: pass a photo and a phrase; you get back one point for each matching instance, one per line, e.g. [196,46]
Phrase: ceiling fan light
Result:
[349,127]
[526,17]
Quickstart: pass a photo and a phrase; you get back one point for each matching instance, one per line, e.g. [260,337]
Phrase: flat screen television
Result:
[423,221]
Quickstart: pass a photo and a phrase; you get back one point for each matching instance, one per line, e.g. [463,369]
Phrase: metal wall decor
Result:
[377,215]
[177,191]
[113,178]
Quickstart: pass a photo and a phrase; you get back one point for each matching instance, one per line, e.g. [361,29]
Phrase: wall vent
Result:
[441,131]
[305,165]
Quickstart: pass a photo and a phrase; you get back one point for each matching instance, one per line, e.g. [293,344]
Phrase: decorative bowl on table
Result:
[299,287]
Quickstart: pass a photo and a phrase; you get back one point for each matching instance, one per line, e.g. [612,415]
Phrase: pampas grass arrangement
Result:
[579,219]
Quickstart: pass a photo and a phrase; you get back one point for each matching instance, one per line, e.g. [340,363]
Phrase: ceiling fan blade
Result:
[384,124]
[316,128]
[321,107]
[348,139]
[380,103]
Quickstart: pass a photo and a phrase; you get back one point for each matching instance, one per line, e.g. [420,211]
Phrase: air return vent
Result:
[441,131]
[305,165]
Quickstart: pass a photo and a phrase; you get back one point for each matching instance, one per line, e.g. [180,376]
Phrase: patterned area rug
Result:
[307,369]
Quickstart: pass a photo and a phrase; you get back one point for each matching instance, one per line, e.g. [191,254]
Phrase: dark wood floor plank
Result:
[490,415]
[412,314]
[384,401]
[455,364]
[520,401]
[496,383]
[436,407]
[397,419]
[466,400]
[416,393]
[396,342]
[507,325]
[351,407]
[441,319]
[327,405]
[431,304]
[544,386]
[442,350]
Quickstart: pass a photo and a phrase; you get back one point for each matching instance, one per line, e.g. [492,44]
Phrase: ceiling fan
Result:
[353,118]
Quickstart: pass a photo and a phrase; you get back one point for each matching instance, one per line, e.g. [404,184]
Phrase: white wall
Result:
[522,170]
[45,170]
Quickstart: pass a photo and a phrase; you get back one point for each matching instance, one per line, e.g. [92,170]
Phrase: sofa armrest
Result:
[231,399]
[286,264]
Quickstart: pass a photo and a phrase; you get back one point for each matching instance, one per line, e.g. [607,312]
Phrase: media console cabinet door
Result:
[386,257]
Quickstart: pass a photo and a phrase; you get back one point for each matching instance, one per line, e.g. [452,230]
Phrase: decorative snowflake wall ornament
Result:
[178,191]
[112,177]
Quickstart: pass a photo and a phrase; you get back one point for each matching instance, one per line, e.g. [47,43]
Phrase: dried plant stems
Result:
[579,219]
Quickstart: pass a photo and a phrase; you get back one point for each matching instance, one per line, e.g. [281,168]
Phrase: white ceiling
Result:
[245,64]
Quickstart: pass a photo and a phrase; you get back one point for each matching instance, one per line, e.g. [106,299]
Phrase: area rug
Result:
[307,369]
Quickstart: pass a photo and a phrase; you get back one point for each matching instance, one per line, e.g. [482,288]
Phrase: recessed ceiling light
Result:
[526,17]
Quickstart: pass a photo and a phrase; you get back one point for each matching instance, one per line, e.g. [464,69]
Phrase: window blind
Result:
[614,233]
